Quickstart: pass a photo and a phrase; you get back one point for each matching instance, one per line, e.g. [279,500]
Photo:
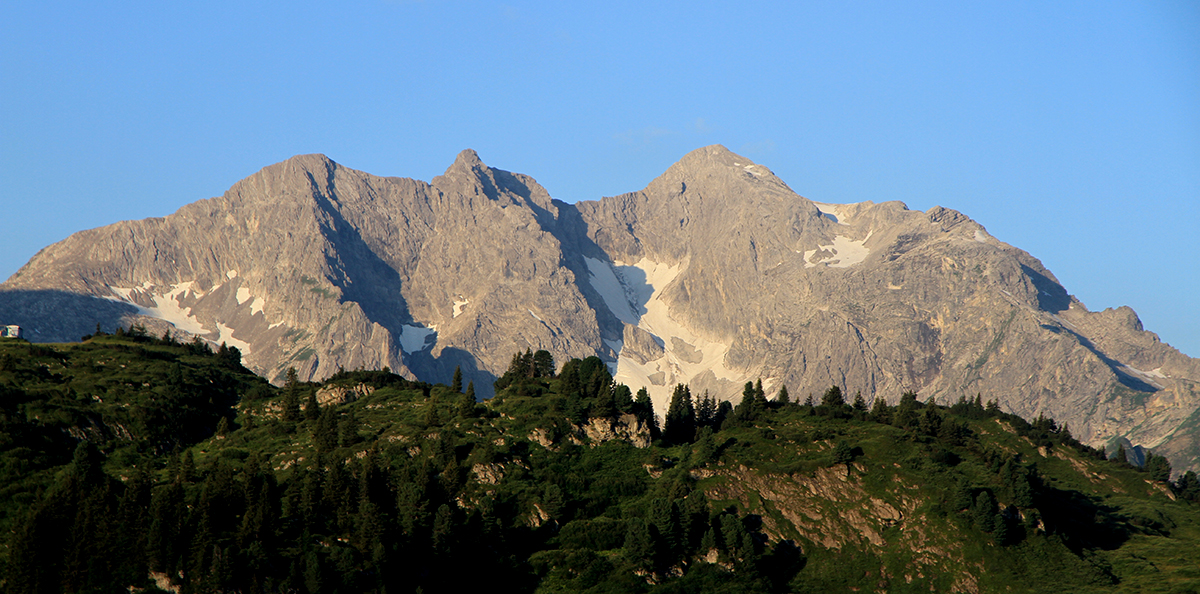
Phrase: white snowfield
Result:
[225,336]
[416,338]
[633,292]
[459,306]
[167,308]
[846,252]
[833,212]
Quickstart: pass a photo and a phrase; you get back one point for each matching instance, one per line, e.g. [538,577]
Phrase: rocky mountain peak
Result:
[715,274]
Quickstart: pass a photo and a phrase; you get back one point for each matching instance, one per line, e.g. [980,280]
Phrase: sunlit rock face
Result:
[715,274]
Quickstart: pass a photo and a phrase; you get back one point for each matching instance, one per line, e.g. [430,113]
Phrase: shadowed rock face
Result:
[715,274]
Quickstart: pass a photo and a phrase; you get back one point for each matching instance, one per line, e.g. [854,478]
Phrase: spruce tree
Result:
[833,398]
[456,382]
[679,426]
[782,397]
[760,397]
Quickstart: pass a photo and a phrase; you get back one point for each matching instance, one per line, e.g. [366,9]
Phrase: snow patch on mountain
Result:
[225,336]
[686,354]
[612,289]
[416,338]
[459,306]
[846,252]
[833,212]
[166,306]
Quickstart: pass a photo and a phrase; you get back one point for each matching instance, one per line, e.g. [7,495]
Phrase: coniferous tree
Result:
[1119,456]
[783,397]
[643,409]
[880,411]
[760,397]
[605,405]
[325,434]
[312,409]
[639,546]
[1188,486]
[466,406]
[833,398]
[348,429]
[623,398]
[706,410]
[291,397]
[471,390]
[1158,467]
[543,364]
[724,410]
[843,453]
[860,405]
[456,382]
[747,410]
[679,426]
[905,415]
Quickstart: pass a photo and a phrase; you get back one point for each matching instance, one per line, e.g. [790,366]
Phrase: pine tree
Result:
[456,382]
[860,405]
[782,397]
[471,391]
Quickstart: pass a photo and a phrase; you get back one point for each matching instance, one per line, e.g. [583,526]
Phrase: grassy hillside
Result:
[136,462]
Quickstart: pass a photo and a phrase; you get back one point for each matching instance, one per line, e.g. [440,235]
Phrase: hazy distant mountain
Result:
[716,274]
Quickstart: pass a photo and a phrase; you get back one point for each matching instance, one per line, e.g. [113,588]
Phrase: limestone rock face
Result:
[311,265]
[715,274]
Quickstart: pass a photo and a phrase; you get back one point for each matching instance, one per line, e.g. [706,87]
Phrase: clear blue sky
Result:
[1069,129]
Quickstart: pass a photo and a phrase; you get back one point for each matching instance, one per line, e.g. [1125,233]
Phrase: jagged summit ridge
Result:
[714,274]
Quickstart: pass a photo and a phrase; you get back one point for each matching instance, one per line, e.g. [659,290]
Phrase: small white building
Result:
[10,331]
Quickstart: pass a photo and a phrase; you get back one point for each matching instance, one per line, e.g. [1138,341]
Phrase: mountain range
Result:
[715,274]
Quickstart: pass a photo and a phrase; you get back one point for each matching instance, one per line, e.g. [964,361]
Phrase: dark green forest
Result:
[136,463]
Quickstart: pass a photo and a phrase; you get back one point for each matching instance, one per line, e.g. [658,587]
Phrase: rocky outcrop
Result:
[335,394]
[626,428]
[715,274]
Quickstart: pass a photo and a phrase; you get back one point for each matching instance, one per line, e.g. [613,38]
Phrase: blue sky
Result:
[1069,129]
